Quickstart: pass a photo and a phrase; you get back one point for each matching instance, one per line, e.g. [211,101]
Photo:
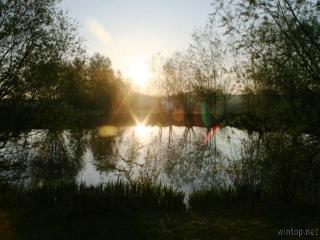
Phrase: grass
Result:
[216,198]
[140,211]
[105,196]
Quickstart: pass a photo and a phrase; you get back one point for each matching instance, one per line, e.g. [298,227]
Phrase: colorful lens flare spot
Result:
[211,133]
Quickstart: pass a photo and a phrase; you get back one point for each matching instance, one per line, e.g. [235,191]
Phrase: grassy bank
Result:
[140,211]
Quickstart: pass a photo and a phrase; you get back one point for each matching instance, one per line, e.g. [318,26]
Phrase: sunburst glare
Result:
[141,131]
[139,72]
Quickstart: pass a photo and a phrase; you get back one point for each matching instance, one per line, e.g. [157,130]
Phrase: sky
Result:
[133,30]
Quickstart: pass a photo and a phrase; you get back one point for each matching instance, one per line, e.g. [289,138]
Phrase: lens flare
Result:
[207,139]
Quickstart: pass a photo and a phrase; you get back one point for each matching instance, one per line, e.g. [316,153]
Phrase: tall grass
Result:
[111,196]
[215,198]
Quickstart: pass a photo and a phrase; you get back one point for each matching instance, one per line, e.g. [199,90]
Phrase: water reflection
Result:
[141,132]
[57,156]
[43,156]
[171,155]
[102,145]
[14,157]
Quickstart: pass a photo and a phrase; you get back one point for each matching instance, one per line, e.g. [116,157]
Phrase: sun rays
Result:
[139,73]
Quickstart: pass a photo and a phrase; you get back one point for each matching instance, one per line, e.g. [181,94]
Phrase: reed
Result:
[109,196]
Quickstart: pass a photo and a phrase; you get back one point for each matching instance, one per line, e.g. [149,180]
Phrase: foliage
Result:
[280,41]
[104,197]
[36,37]
[91,83]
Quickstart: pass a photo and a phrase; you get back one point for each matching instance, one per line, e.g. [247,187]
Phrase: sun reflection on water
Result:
[141,131]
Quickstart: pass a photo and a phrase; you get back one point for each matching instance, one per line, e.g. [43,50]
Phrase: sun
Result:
[139,72]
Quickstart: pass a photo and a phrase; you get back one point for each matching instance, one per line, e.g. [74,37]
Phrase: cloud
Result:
[98,30]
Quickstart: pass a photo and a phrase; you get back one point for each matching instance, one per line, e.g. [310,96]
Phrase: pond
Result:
[186,158]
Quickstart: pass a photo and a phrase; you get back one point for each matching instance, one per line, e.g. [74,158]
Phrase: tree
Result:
[35,36]
[202,71]
[209,64]
[104,85]
[178,80]
[75,88]
[280,41]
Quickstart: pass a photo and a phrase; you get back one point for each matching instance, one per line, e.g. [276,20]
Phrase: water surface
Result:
[187,159]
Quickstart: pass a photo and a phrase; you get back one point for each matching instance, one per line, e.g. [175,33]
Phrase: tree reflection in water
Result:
[102,144]
[166,155]
[175,156]
[59,156]
[14,157]
[191,164]
[43,156]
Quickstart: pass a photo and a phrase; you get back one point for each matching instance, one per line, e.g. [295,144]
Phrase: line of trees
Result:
[200,77]
[91,83]
[43,64]
[36,38]
[268,51]
[278,44]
